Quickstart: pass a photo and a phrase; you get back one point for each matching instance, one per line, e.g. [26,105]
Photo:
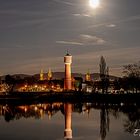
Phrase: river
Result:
[60,121]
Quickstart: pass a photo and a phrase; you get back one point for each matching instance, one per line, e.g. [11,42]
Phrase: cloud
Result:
[64,2]
[111,25]
[97,25]
[81,15]
[69,42]
[84,40]
[91,40]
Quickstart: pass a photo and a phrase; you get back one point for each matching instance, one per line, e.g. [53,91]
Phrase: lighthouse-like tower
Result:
[68,121]
[67,82]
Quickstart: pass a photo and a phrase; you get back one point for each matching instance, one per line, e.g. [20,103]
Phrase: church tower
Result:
[49,74]
[88,77]
[41,75]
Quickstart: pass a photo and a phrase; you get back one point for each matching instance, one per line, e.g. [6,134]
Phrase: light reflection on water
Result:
[79,121]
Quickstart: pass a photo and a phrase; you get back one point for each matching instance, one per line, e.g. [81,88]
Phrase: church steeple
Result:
[49,74]
[41,75]
[88,77]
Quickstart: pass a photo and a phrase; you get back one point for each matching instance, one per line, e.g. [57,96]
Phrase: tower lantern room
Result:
[67,59]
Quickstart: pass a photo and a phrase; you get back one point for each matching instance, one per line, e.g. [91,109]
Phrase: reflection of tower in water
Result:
[68,130]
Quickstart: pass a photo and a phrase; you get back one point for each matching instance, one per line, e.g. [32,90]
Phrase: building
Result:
[87,76]
[67,80]
[41,75]
[49,74]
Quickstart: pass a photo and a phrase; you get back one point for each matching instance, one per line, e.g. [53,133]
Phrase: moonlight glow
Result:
[94,3]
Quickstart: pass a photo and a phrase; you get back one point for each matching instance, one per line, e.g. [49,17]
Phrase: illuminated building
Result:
[67,82]
[68,130]
[41,75]
[87,77]
[49,74]
[73,83]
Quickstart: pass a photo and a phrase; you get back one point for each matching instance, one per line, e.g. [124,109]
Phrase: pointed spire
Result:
[49,74]
[88,78]
[41,75]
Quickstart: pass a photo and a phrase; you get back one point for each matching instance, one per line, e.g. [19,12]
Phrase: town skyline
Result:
[36,35]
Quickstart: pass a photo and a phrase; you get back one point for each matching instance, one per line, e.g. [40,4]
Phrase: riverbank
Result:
[69,97]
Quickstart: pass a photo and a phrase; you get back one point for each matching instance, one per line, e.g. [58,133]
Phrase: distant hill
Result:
[59,75]
[16,76]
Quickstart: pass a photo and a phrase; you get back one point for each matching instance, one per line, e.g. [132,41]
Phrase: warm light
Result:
[36,108]
[94,3]
[36,86]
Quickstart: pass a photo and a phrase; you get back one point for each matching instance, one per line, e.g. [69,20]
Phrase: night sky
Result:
[36,34]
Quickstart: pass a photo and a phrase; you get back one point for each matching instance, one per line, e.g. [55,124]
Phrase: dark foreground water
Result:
[88,121]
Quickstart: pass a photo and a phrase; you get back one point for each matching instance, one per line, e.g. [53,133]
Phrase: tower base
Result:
[68,134]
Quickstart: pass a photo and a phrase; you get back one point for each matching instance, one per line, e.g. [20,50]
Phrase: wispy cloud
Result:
[111,25]
[114,24]
[84,39]
[69,42]
[64,2]
[106,24]
[81,15]
[91,40]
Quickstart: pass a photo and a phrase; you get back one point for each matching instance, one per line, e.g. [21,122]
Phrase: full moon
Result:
[94,3]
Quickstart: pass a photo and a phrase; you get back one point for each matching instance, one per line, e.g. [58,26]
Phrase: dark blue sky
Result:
[35,34]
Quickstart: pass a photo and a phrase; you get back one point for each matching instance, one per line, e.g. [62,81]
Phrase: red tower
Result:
[68,122]
[67,82]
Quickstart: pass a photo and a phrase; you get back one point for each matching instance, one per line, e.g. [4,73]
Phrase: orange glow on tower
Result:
[67,82]
[68,130]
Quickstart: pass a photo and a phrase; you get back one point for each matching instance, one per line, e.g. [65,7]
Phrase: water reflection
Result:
[68,129]
[133,119]
[104,122]
[38,111]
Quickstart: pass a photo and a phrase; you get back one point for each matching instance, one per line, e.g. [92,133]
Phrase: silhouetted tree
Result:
[133,120]
[104,75]
[116,84]
[10,81]
[132,73]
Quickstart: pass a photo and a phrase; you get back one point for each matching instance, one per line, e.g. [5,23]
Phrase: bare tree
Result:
[132,74]
[132,70]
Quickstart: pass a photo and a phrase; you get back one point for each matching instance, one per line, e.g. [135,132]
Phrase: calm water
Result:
[88,121]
